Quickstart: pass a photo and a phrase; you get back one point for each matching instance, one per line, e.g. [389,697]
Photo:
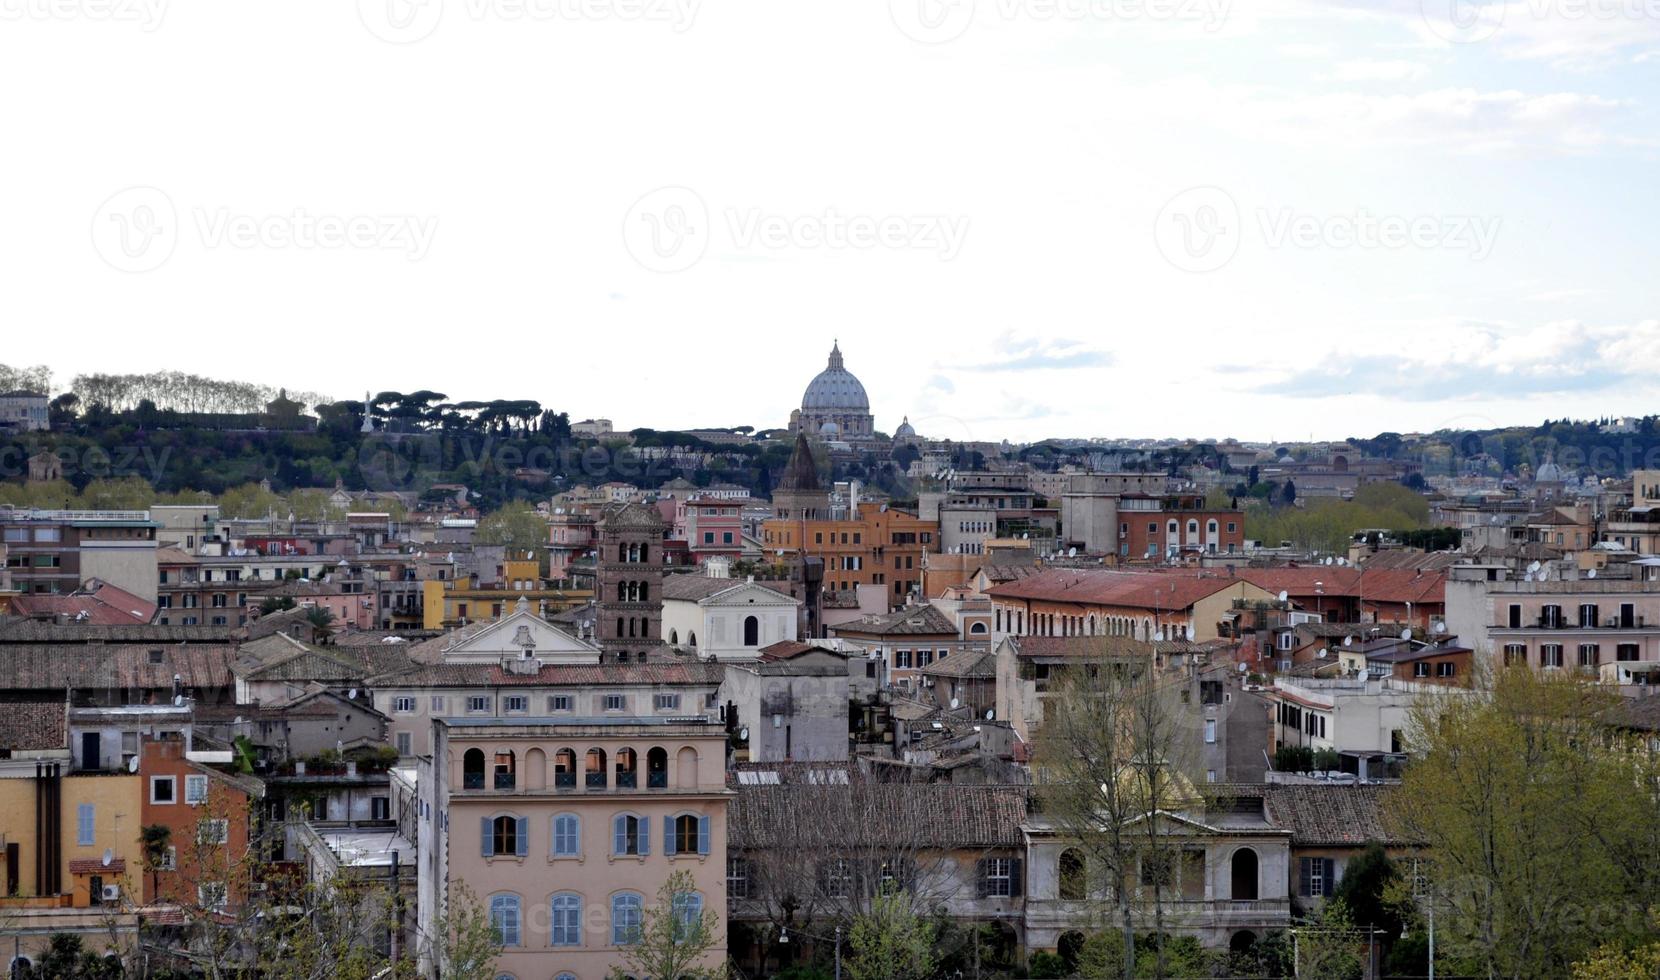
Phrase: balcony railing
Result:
[626,780]
[564,780]
[504,780]
[657,779]
[596,780]
[472,780]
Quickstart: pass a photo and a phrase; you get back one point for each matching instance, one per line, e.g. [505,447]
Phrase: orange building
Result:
[872,546]
[208,817]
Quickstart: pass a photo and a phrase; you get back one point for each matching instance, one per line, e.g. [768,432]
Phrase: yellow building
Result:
[446,603]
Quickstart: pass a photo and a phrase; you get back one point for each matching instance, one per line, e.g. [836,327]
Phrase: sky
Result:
[1266,219]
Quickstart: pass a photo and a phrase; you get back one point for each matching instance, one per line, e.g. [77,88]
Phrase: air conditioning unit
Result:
[112,893]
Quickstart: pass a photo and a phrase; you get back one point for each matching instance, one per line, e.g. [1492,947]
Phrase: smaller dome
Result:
[1549,472]
[1286,459]
[905,431]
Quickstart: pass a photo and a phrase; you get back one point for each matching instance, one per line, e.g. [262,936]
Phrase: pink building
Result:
[565,831]
[714,527]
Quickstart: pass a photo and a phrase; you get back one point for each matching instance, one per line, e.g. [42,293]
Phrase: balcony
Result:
[504,780]
[564,780]
[472,780]
[657,779]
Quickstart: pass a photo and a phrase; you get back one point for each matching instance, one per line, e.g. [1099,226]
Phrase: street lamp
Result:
[784,940]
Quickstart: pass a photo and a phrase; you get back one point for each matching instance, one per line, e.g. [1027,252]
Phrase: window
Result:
[169,860]
[195,789]
[668,702]
[1073,880]
[437,704]
[687,833]
[1515,653]
[688,913]
[737,878]
[504,918]
[567,833]
[1515,619]
[1589,655]
[405,743]
[516,703]
[630,835]
[1210,731]
[1316,877]
[567,920]
[626,911]
[836,878]
[84,823]
[561,702]
[213,831]
[999,877]
[1445,669]
[614,702]
[478,704]
[1420,669]
[162,789]
[1550,655]
[211,894]
[504,835]
[403,705]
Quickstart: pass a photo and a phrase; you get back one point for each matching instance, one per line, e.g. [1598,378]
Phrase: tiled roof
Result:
[42,667]
[95,866]
[1384,585]
[1095,646]
[937,815]
[968,664]
[100,603]
[909,621]
[33,725]
[998,574]
[695,587]
[34,631]
[1332,816]
[1139,590]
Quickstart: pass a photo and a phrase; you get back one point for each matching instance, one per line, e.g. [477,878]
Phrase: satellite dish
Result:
[132,764]
[1072,552]
[990,713]
[1342,561]
[955,703]
[1320,654]
[1591,574]
[351,695]
[178,700]
[1533,566]
[1348,641]
[1283,595]
[1326,560]
[1242,668]
[1406,634]
[109,857]
[743,733]
[1440,627]
[1188,631]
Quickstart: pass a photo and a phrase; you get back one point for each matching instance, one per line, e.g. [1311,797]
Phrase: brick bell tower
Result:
[628,581]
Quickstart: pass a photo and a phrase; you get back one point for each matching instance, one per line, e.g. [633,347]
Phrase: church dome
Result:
[835,389]
[905,431]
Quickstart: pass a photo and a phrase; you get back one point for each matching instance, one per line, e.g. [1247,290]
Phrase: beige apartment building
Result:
[1580,624]
[565,829]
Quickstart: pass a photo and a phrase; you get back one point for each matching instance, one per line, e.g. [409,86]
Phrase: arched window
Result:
[686,833]
[564,769]
[619,626]
[1244,875]
[691,639]
[630,835]
[472,769]
[596,769]
[674,637]
[627,909]
[685,763]
[752,631]
[645,552]
[536,769]
[566,929]
[567,834]
[1210,527]
[688,912]
[504,834]
[645,591]
[506,769]
[657,768]
[628,766]
[631,622]
[565,976]
[622,591]
[977,629]
[504,918]
[1072,876]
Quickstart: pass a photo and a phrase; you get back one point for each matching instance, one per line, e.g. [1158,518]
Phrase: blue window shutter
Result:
[668,835]
[84,824]
[484,836]
[703,834]
[645,835]
[619,830]
[524,836]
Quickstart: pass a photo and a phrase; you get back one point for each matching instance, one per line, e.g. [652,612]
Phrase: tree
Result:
[67,958]
[1331,946]
[1109,753]
[1612,962]
[1496,779]
[516,525]
[1368,889]
[320,619]
[675,937]
[1288,493]
[891,941]
[155,839]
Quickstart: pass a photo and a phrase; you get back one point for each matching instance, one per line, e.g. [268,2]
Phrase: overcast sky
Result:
[1021,218]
